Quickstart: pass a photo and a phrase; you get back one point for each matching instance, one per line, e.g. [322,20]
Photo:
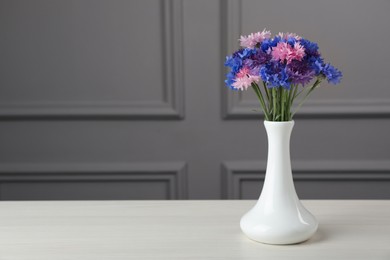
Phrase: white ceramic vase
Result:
[278,216]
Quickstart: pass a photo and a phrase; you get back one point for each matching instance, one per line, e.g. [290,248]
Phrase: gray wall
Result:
[125,100]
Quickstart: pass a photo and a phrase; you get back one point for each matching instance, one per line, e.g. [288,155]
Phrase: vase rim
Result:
[279,122]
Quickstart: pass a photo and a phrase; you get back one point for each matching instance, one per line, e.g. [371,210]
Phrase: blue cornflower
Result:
[275,75]
[291,41]
[269,43]
[317,64]
[265,45]
[245,53]
[332,74]
[235,63]
[311,48]
[230,80]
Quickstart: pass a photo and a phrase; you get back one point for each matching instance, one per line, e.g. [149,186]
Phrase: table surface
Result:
[349,229]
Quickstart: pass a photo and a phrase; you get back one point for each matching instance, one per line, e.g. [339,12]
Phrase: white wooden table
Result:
[182,230]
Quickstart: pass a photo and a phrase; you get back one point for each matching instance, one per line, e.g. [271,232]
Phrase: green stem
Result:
[266,90]
[261,99]
[315,85]
[286,102]
[289,93]
[274,102]
[282,97]
[290,99]
[300,92]
[295,94]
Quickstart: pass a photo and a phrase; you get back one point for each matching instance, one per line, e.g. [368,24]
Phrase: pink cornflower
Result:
[252,39]
[244,79]
[247,42]
[244,72]
[287,35]
[284,52]
[245,82]
[260,36]
[281,51]
[296,53]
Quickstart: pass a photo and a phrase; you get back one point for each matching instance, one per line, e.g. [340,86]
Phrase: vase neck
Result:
[278,179]
[278,134]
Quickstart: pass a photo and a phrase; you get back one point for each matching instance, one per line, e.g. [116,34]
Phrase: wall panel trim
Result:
[175,173]
[234,107]
[234,172]
[170,107]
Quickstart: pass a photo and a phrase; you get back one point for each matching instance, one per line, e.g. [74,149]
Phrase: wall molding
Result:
[234,107]
[175,173]
[170,107]
[234,172]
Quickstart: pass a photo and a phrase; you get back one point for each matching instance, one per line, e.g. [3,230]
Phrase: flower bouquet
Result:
[287,66]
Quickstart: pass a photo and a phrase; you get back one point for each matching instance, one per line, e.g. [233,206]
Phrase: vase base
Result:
[280,244]
[278,231]
[278,240]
